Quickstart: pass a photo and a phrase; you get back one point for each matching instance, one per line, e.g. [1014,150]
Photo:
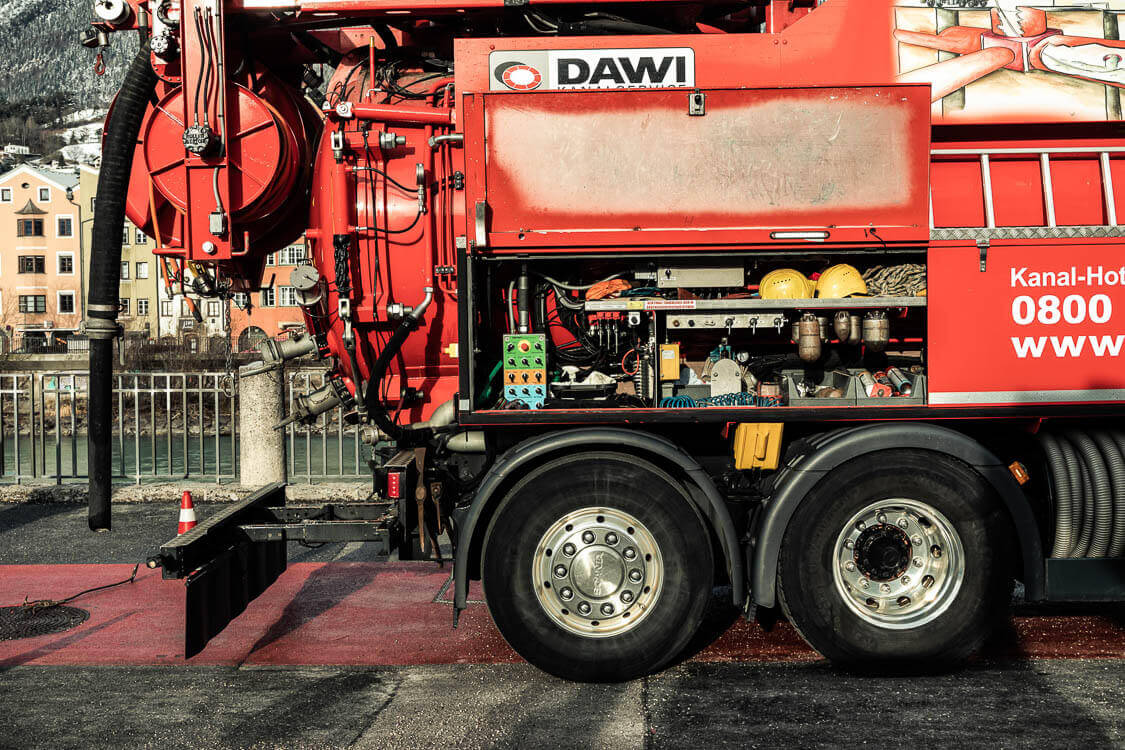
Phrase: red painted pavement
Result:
[384,614]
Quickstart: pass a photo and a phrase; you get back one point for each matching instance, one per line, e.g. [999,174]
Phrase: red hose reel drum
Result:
[268,145]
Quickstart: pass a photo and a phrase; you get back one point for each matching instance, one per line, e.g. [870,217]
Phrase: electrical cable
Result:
[578,287]
[47,603]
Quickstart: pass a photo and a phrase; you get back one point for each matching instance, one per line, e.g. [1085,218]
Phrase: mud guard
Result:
[827,451]
[531,452]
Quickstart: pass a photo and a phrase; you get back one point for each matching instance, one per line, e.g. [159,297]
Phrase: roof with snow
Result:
[61,180]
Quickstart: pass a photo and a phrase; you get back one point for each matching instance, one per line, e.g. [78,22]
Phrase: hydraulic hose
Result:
[376,409]
[122,129]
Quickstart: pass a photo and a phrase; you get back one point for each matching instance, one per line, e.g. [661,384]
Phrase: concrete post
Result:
[261,450]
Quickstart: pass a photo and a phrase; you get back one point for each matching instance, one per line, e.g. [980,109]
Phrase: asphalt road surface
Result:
[348,651]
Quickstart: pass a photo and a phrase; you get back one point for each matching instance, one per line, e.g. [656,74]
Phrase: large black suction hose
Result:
[105,272]
[375,407]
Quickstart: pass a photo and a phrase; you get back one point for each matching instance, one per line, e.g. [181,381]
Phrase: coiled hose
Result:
[122,129]
[1087,471]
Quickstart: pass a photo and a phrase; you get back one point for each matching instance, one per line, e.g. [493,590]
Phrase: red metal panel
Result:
[632,167]
[1038,326]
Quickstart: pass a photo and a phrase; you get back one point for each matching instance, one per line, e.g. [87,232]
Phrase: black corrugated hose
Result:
[1088,488]
[122,129]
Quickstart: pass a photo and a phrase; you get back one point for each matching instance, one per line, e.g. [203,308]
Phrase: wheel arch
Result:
[833,449]
[472,522]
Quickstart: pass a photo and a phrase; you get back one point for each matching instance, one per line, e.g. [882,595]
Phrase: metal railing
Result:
[167,426]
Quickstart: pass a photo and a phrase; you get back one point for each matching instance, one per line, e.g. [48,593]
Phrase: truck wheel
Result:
[597,567]
[898,559]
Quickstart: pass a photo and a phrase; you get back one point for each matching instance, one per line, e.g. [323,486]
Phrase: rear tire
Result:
[897,560]
[597,567]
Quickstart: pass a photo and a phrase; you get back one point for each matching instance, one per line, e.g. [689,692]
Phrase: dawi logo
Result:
[518,76]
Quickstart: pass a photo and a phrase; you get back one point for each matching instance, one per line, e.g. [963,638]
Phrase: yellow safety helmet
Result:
[840,281]
[785,283]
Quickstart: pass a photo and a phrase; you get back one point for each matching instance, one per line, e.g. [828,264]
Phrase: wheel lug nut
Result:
[635,576]
[626,596]
[849,544]
[566,593]
[629,553]
[607,609]
[583,608]
[916,541]
[611,538]
[885,588]
[903,523]
[569,549]
[861,525]
[560,571]
[905,580]
[917,562]
[849,566]
[881,518]
[588,537]
[864,583]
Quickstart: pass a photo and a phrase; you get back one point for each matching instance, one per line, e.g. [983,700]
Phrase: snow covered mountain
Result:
[42,55]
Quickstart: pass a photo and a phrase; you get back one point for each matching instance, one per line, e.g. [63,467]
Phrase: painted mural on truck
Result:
[1012,60]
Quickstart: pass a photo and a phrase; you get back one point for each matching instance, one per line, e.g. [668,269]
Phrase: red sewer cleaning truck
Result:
[812,299]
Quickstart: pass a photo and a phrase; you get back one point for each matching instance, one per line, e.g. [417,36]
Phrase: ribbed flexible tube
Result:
[1074,482]
[1117,540]
[1101,495]
[1060,485]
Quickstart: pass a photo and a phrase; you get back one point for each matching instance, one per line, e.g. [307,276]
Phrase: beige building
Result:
[41,279]
[140,273]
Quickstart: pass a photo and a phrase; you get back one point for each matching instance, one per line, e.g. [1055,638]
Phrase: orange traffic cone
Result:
[187,514]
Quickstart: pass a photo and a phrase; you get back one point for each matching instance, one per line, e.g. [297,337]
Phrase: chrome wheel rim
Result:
[597,572]
[898,563]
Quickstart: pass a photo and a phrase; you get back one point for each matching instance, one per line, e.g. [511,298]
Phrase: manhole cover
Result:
[28,622]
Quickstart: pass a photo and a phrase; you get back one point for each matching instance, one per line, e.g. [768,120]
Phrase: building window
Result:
[241,300]
[142,270]
[124,270]
[291,256]
[184,308]
[5,195]
[44,195]
[29,228]
[142,307]
[33,303]
[65,226]
[213,309]
[139,238]
[66,303]
[287,296]
[33,264]
[93,203]
[66,264]
[125,236]
[124,307]
[271,259]
[267,298]
[166,308]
